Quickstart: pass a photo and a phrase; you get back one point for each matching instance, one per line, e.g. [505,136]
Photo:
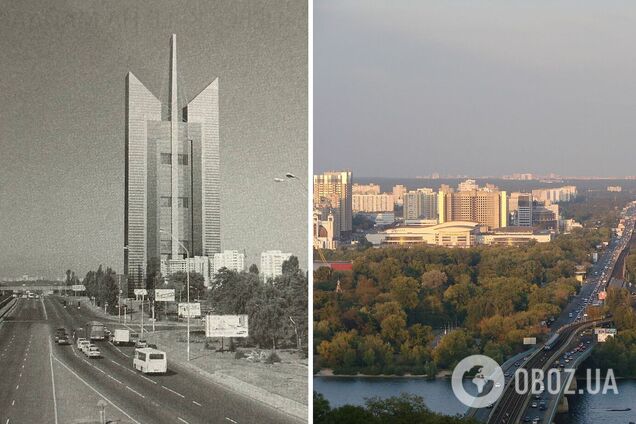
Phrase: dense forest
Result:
[389,314]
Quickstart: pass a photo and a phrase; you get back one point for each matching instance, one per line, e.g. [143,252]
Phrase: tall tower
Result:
[172,177]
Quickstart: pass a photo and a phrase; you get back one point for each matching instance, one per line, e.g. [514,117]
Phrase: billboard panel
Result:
[226,326]
[78,287]
[603,333]
[529,340]
[141,292]
[164,295]
[193,308]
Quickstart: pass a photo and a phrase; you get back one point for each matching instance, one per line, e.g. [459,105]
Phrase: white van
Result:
[150,361]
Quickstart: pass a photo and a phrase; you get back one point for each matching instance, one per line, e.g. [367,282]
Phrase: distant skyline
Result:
[474,88]
[62,79]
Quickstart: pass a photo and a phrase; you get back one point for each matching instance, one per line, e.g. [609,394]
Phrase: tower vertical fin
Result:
[174,142]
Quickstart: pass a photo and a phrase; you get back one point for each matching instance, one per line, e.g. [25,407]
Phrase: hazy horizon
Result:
[474,88]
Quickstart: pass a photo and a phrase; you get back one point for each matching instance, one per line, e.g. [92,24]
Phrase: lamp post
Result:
[188,291]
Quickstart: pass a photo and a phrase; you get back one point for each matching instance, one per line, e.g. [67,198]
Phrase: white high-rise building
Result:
[272,263]
[230,259]
[198,264]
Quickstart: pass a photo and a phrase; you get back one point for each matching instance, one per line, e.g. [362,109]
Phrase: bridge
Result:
[574,343]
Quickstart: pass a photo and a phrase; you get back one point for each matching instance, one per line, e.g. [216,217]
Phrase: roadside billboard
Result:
[226,326]
[78,287]
[164,295]
[529,340]
[602,295]
[140,292]
[603,333]
[193,308]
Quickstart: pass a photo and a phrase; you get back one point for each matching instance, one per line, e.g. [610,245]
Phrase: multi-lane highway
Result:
[43,382]
[514,407]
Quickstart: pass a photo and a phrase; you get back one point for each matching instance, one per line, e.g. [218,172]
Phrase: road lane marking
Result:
[231,420]
[46,316]
[17,387]
[136,392]
[13,402]
[182,420]
[95,390]
[52,380]
[196,403]
[7,422]
[176,393]
[146,378]
[113,378]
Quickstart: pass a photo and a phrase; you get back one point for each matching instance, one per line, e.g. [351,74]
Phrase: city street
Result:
[48,383]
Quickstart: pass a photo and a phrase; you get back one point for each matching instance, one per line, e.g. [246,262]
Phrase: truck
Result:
[95,330]
[551,342]
[121,337]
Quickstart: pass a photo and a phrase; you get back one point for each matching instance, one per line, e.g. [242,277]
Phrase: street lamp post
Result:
[188,291]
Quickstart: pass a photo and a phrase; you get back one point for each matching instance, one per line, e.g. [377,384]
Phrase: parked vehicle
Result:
[150,361]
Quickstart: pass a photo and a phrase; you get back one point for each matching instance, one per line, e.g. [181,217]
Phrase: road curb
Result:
[280,403]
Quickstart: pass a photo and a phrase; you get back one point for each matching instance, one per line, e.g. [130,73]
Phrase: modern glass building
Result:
[172,177]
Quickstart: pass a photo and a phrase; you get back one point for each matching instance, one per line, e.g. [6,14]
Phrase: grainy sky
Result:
[408,88]
[62,72]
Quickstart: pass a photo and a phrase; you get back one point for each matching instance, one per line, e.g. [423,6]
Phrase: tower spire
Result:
[174,143]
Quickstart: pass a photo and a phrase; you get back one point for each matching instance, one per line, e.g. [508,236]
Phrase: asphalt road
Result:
[39,379]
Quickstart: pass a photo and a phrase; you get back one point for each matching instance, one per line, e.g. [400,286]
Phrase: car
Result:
[64,340]
[81,341]
[93,352]
[86,347]
[141,344]
[497,384]
[533,405]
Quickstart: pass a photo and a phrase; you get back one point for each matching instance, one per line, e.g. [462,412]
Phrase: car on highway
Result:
[59,332]
[86,347]
[64,340]
[141,344]
[82,343]
[93,352]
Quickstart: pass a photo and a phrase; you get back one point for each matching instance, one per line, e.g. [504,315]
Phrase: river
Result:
[439,397]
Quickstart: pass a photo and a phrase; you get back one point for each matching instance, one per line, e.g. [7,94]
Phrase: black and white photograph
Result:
[154,211]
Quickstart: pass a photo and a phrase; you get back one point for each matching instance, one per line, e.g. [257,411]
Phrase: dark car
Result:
[59,332]
[63,340]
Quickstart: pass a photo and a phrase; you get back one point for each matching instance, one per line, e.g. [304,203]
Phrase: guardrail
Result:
[576,364]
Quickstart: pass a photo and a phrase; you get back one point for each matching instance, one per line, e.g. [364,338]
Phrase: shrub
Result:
[239,355]
[272,357]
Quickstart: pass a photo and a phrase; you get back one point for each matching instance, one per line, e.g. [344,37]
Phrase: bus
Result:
[95,330]
[150,361]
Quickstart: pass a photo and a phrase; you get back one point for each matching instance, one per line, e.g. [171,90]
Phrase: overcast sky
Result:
[62,74]
[409,88]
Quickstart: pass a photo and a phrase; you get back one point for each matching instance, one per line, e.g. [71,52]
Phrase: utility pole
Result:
[142,318]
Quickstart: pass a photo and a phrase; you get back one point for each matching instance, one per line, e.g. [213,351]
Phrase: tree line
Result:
[403,409]
[423,308]
[277,308]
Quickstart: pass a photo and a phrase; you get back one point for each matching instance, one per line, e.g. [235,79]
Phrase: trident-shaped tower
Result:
[172,177]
